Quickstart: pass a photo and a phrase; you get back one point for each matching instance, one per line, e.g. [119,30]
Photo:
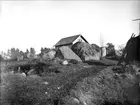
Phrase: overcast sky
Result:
[25,24]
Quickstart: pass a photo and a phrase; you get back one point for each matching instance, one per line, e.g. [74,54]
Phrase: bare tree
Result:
[101,40]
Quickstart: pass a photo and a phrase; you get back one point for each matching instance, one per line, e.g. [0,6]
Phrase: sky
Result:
[25,24]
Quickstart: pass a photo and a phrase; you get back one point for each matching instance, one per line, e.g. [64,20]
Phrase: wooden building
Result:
[69,41]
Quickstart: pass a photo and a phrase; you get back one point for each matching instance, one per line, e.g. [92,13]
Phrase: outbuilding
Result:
[69,41]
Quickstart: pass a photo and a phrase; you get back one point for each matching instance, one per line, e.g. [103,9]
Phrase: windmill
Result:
[139,23]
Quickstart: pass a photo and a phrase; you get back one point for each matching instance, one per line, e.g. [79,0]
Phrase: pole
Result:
[139,23]
[139,28]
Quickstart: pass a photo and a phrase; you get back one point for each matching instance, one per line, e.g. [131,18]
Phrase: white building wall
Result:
[103,51]
[78,39]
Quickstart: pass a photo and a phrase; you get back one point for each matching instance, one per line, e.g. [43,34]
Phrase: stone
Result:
[65,62]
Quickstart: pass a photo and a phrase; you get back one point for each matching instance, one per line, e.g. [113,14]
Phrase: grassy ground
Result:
[107,88]
[88,84]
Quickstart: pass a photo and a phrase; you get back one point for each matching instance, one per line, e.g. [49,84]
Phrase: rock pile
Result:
[86,51]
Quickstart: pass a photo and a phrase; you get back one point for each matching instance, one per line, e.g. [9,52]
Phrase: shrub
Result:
[73,61]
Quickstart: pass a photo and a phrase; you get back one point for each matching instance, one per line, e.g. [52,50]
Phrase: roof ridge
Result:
[70,36]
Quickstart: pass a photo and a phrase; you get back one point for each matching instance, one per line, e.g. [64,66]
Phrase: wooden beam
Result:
[136,19]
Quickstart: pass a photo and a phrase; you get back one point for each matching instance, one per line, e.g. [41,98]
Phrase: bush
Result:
[73,61]
[133,68]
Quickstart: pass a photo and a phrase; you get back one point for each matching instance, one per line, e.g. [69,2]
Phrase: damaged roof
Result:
[69,40]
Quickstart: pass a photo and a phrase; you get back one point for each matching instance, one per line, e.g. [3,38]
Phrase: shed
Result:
[69,41]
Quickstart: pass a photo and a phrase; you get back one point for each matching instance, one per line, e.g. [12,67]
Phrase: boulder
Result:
[65,62]
[86,51]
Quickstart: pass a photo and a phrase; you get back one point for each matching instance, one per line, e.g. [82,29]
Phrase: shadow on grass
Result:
[105,62]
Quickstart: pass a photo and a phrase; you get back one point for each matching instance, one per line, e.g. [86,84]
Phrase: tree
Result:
[25,54]
[121,49]
[32,53]
[1,58]
[110,49]
[15,53]
[44,50]
[8,54]
[119,52]
[27,51]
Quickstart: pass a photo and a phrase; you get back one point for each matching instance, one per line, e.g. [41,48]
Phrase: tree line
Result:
[17,54]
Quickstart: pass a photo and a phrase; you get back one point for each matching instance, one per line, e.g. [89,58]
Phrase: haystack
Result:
[66,53]
[132,50]
[86,51]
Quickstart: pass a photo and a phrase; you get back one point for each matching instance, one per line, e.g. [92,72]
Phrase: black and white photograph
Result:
[70,52]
